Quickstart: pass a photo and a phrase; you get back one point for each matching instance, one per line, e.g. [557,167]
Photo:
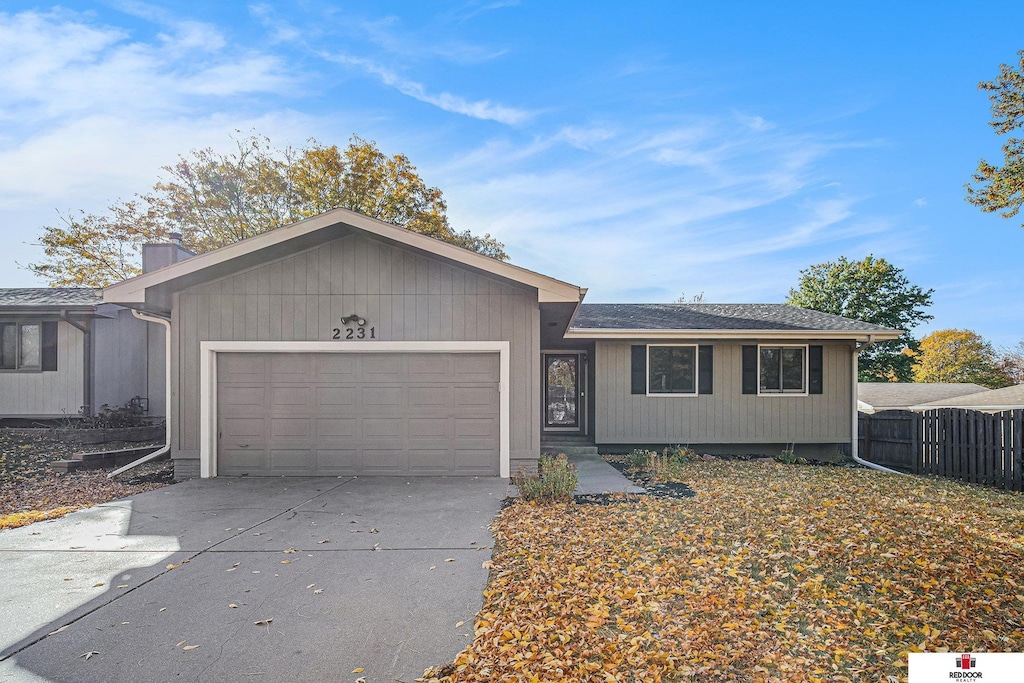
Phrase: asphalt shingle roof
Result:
[905,394]
[1009,397]
[713,317]
[39,297]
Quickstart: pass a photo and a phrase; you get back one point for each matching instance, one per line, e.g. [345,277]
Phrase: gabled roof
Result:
[153,288]
[626,321]
[55,298]
[879,396]
[1009,398]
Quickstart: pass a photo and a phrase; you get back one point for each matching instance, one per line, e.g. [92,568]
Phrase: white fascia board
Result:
[604,333]
[549,289]
[983,409]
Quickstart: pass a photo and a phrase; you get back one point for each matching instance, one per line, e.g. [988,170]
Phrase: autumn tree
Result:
[1011,363]
[213,199]
[1001,188]
[875,291]
[958,356]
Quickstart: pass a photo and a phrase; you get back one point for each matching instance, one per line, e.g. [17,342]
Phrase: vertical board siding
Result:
[404,296]
[53,393]
[727,415]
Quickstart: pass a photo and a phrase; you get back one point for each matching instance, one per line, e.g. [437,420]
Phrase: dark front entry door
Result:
[564,402]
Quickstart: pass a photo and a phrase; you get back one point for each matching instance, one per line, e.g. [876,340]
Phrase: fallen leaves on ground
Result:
[771,573]
[30,491]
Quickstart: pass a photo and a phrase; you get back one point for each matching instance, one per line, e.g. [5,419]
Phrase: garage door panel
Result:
[385,460]
[235,462]
[382,398]
[291,461]
[246,429]
[330,399]
[242,367]
[383,427]
[291,399]
[431,461]
[429,399]
[244,397]
[421,428]
[339,461]
[291,367]
[473,461]
[337,427]
[358,414]
[291,429]
[383,368]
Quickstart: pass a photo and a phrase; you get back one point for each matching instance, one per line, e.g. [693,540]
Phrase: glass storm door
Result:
[562,392]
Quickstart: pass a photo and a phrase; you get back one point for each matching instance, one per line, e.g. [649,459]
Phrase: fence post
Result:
[915,443]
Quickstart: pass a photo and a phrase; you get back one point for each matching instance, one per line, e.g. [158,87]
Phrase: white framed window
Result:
[672,369]
[21,346]
[782,369]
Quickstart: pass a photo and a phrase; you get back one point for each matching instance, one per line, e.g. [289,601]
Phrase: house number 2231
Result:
[354,333]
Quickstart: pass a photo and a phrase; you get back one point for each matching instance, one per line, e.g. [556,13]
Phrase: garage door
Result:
[305,414]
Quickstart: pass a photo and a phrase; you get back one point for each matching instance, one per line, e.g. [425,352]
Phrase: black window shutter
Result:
[638,369]
[815,374]
[49,334]
[749,369]
[706,367]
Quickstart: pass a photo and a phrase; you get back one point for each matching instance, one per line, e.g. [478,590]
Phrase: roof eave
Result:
[855,335]
[985,409]
[549,290]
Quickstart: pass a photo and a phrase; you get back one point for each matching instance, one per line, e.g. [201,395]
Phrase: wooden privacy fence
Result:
[977,447]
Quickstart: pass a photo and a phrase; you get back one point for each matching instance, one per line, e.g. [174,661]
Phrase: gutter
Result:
[855,442]
[167,399]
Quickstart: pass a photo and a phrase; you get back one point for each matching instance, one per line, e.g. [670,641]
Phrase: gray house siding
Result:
[403,294]
[120,365]
[51,394]
[727,416]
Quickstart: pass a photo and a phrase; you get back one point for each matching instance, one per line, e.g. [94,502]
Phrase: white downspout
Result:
[855,442]
[167,392]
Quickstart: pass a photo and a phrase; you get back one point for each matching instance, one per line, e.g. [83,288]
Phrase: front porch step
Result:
[556,449]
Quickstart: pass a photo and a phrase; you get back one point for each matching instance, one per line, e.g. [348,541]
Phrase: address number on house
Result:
[354,333]
[353,327]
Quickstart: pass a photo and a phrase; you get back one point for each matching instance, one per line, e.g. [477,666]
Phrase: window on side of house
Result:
[671,369]
[782,370]
[21,346]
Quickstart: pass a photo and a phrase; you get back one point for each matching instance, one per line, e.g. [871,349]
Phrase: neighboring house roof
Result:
[152,288]
[1010,398]
[50,298]
[874,397]
[718,320]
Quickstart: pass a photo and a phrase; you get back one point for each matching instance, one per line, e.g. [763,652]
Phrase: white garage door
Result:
[308,414]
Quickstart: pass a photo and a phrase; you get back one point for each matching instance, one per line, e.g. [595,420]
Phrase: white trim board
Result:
[208,351]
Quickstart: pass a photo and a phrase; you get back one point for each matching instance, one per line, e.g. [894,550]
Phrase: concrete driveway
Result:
[342,574]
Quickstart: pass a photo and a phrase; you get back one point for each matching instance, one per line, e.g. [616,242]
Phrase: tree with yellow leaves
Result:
[958,356]
[213,199]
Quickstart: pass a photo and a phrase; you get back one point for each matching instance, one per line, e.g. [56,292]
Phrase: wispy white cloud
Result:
[281,30]
[479,109]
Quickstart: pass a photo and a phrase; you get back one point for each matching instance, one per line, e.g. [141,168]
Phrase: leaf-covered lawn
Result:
[30,491]
[771,573]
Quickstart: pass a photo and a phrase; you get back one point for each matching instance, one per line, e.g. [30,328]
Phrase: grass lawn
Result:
[771,573]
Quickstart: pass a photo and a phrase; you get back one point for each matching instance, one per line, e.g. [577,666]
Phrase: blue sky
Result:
[637,149]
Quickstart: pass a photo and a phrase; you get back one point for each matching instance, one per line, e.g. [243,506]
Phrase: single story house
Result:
[989,400]
[65,353]
[342,345]
[874,397]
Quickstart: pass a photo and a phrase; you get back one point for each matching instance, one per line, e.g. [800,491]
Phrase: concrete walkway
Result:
[597,476]
[269,579]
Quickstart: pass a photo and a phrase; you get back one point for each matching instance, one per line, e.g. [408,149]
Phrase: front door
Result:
[564,400]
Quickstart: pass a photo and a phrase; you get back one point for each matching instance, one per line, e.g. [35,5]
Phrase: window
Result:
[25,346]
[672,369]
[782,370]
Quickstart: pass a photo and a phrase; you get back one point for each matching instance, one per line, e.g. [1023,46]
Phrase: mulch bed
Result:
[30,490]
